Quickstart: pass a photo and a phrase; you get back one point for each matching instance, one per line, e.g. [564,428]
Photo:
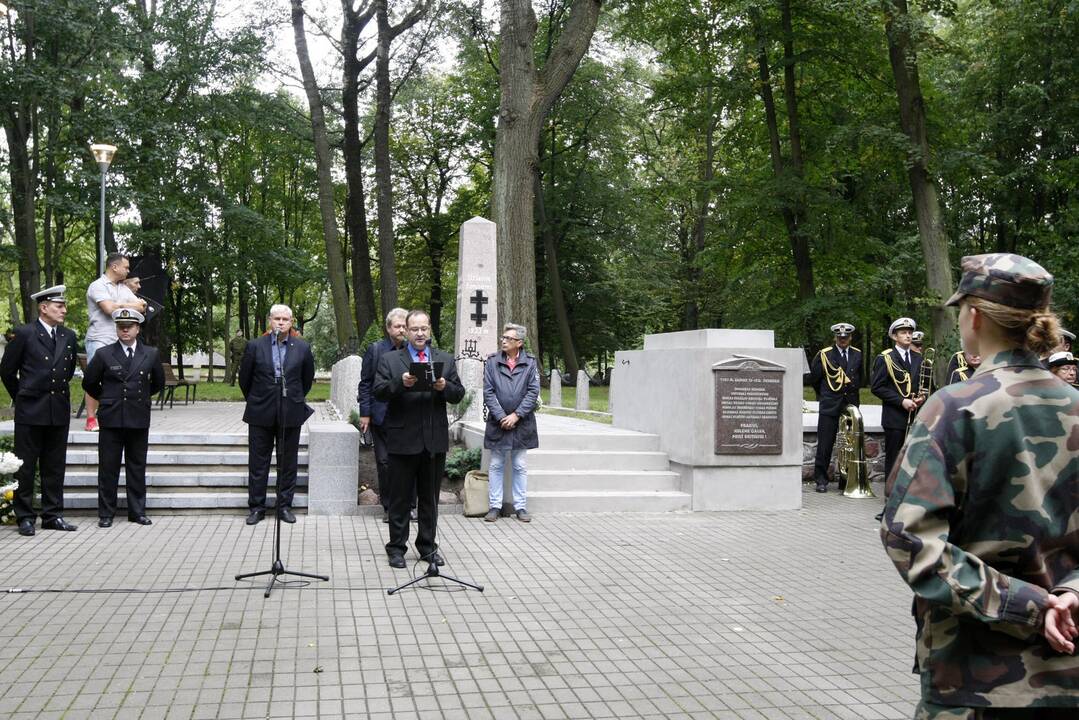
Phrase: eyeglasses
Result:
[419,329]
[510,337]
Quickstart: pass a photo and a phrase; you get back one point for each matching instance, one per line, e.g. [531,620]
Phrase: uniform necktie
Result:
[130,354]
[422,356]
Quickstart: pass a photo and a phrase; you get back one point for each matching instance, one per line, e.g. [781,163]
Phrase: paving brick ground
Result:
[690,615]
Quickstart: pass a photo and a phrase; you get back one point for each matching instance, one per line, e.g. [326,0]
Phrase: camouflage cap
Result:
[1004,278]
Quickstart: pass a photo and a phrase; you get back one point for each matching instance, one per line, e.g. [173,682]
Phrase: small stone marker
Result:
[344,381]
[556,388]
[581,402]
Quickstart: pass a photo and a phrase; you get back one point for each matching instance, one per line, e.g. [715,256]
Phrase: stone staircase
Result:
[197,471]
[583,466]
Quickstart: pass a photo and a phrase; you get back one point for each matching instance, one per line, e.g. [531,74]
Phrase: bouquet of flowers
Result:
[8,464]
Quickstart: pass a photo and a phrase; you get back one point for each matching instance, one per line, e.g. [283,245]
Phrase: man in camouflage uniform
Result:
[237,345]
[835,374]
[983,520]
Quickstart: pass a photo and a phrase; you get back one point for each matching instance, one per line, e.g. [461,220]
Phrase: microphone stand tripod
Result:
[278,567]
[432,567]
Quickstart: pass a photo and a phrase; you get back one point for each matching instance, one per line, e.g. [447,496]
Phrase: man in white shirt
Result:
[103,296]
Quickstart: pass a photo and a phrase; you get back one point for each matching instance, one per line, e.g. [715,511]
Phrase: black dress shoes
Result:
[26,527]
[141,520]
[58,524]
[397,561]
[104,522]
[286,514]
[435,558]
[256,517]
[822,487]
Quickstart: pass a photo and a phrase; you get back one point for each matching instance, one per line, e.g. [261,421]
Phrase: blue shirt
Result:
[416,353]
[278,352]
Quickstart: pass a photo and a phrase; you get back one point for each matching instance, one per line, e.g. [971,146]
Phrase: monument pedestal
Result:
[727,407]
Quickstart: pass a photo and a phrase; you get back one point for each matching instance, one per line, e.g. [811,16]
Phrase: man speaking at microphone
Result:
[416,382]
[276,373]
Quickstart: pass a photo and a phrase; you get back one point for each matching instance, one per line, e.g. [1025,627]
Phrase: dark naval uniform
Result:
[959,370]
[836,377]
[893,381]
[125,385]
[36,370]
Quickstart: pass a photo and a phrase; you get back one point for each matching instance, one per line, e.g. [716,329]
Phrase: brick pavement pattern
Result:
[683,615]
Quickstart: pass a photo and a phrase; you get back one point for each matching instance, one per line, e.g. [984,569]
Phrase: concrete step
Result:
[614,440]
[544,459]
[658,501]
[602,480]
[179,479]
[82,455]
[177,501]
[158,438]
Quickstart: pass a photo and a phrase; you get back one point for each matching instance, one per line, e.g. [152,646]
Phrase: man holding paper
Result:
[416,382]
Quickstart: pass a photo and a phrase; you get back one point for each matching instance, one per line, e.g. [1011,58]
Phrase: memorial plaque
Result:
[749,407]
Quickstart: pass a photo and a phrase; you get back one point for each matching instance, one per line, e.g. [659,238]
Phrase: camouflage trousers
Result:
[931,711]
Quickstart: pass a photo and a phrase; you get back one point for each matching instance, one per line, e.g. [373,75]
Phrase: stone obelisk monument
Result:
[477,302]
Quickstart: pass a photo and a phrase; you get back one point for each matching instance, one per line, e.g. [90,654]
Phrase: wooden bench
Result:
[171,383]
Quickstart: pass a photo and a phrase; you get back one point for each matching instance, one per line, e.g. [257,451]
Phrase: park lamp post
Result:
[103,154]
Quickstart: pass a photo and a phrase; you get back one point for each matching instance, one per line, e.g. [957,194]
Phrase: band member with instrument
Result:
[894,381]
[961,366]
[835,374]
[917,339]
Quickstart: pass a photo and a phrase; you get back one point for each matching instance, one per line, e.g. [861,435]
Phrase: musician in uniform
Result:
[123,377]
[36,369]
[1063,365]
[917,339]
[1067,339]
[961,366]
[894,380]
[835,374]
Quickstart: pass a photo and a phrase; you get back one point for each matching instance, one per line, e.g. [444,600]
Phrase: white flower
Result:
[9,463]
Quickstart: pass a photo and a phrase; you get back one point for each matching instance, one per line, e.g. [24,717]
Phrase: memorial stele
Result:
[727,406]
[477,328]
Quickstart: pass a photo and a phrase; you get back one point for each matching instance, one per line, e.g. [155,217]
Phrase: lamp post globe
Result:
[103,155]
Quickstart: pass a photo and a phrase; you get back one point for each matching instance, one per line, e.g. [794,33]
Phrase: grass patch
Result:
[598,398]
[866,397]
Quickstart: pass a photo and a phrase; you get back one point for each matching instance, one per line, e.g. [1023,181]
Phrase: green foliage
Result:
[461,461]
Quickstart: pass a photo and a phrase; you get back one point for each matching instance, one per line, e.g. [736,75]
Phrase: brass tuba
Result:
[851,465]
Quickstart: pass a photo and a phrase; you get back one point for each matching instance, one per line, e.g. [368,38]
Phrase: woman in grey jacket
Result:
[510,393]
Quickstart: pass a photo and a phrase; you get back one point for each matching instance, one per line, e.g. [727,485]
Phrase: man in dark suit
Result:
[373,410]
[276,373]
[836,375]
[895,381]
[36,369]
[123,378]
[417,434]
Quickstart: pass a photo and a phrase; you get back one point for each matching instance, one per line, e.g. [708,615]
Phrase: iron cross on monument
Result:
[479,300]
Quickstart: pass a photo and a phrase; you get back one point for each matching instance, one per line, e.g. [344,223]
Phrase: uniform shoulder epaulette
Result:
[885,352]
[824,350]
[855,349]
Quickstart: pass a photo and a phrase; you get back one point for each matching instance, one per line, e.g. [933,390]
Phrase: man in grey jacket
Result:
[510,393]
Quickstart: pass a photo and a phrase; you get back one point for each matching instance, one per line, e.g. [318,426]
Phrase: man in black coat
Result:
[123,377]
[417,433]
[373,410]
[895,382]
[276,373]
[36,369]
[836,375]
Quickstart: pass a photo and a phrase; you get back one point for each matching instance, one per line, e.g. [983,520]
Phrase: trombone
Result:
[925,383]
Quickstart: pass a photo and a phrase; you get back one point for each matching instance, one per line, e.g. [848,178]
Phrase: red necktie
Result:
[422,356]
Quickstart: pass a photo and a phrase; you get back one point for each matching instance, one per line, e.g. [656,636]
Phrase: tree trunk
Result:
[526,96]
[554,277]
[383,179]
[363,293]
[23,184]
[208,303]
[799,244]
[904,60]
[335,264]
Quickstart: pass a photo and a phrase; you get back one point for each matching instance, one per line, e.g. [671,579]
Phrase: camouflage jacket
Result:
[982,522]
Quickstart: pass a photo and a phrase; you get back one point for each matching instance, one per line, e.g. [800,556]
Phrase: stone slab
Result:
[710,338]
[344,384]
[332,485]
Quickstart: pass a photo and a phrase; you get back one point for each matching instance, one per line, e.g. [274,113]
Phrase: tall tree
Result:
[335,265]
[900,27]
[527,95]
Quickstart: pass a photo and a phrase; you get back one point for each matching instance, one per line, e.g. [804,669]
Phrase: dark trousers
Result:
[44,446]
[893,442]
[130,444]
[382,463]
[827,426]
[260,445]
[420,475]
